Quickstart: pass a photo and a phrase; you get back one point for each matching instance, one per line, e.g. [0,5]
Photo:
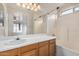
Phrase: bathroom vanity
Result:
[42,47]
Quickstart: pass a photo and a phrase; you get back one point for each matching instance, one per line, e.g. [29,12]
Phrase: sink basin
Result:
[16,42]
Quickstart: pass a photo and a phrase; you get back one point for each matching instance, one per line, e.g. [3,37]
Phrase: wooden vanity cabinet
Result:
[13,52]
[30,53]
[43,49]
[52,47]
[30,50]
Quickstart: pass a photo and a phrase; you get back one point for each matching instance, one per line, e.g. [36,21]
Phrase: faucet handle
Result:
[17,38]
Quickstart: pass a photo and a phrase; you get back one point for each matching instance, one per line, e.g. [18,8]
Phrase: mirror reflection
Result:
[23,21]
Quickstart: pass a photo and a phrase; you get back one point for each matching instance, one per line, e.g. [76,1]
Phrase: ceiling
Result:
[45,7]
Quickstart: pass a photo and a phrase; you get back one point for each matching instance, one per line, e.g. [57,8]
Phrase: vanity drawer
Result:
[28,48]
[13,52]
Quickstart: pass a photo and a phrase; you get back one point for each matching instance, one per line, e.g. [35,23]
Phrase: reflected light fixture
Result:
[30,6]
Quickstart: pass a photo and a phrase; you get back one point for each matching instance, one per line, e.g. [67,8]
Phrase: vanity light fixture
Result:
[30,6]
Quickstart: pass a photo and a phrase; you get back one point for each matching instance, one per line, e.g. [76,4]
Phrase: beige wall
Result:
[48,25]
[68,30]
[40,25]
[51,23]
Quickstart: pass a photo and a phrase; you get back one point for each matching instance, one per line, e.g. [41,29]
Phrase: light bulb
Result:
[34,5]
[23,5]
[28,7]
[31,6]
[39,7]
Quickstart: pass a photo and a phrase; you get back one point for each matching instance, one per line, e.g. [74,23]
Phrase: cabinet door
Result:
[43,51]
[52,49]
[30,53]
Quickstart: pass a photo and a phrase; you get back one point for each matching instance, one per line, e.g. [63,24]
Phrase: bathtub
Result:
[65,51]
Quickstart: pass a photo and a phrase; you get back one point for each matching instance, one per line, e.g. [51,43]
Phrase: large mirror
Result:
[20,21]
[1,15]
[2,26]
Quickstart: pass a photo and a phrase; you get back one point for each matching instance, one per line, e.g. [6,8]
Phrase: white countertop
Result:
[28,39]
